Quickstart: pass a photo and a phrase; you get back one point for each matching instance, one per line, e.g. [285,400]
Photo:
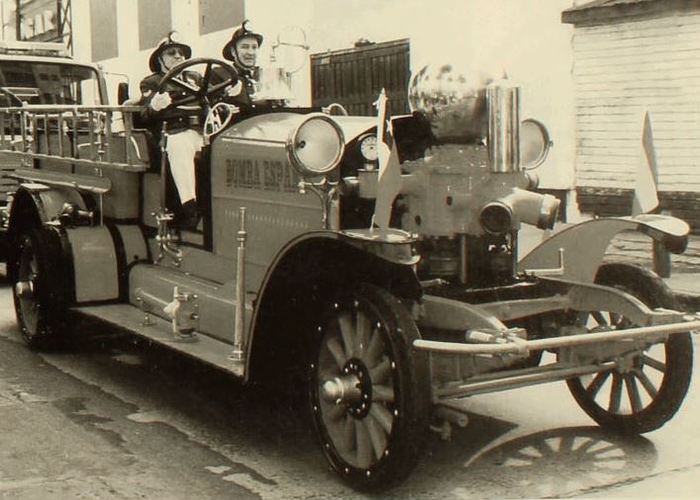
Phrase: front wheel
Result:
[647,387]
[370,391]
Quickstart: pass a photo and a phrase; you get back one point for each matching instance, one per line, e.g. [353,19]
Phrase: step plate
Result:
[202,347]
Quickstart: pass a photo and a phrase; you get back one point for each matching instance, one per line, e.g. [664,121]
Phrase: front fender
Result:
[315,269]
[392,247]
[584,244]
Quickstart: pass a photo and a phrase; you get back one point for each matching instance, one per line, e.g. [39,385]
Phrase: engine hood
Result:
[277,126]
[354,126]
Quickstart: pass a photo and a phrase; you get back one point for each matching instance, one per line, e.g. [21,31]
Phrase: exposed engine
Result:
[467,196]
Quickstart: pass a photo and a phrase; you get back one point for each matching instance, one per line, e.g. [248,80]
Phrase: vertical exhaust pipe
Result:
[504,126]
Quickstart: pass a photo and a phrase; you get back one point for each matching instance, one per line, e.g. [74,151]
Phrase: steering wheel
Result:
[206,90]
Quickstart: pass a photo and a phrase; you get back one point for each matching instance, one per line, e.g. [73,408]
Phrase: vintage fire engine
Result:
[390,328]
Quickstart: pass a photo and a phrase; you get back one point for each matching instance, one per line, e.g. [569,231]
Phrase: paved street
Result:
[114,419]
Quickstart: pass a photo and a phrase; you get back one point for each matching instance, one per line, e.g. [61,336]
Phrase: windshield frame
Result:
[97,75]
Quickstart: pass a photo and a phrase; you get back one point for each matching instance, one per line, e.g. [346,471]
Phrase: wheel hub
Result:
[353,388]
[24,289]
[629,362]
[341,390]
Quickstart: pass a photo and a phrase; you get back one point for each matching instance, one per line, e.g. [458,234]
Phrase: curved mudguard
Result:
[391,249]
[98,256]
[583,245]
[392,245]
[41,203]
[33,205]
[101,257]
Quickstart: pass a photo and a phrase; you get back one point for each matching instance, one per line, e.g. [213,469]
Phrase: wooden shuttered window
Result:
[354,77]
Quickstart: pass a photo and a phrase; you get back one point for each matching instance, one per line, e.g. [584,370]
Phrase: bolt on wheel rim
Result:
[26,287]
[356,387]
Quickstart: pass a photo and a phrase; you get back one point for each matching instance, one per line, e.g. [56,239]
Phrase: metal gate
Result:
[354,77]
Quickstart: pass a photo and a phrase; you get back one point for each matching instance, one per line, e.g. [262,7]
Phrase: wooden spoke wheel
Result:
[370,391]
[647,386]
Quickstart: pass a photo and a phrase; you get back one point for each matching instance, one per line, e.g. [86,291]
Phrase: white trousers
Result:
[181,148]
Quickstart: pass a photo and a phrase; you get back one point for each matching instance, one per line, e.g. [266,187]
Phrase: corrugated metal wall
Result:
[623,69]
[354,77]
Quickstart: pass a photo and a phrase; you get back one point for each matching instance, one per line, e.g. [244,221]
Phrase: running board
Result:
[200,346]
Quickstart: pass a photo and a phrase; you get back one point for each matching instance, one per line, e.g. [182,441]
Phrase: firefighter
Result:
[242,50]
[183,124]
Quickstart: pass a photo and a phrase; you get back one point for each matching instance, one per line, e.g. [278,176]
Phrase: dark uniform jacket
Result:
[248,79]
[176,118]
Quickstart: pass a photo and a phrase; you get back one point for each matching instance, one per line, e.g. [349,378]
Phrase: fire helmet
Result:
[172,40]
[243,31]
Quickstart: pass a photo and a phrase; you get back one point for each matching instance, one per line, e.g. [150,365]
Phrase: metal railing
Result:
[73,135]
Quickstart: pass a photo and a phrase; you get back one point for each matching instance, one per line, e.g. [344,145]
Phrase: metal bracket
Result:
[165,239]
[326,192]
[556,271]
[183,312]
[147,320]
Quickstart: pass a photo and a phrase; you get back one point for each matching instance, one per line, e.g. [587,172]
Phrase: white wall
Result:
[131,61]
[271,17]
[639,64]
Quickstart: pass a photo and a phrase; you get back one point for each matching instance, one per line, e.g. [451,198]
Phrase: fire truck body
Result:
[389,328]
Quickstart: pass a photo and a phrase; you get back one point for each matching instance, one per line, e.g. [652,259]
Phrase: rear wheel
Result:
[647,387]
[37,292]
[370,391]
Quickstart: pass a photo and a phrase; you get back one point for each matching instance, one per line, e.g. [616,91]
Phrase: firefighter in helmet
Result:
[183,124]
[242,50]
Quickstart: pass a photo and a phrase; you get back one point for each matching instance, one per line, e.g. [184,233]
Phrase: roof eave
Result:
[595,12]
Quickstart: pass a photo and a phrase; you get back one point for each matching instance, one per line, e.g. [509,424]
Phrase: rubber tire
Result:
[651,290]
[49,296]
[411,377]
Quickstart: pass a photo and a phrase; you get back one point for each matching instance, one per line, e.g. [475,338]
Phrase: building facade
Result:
[633,57]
